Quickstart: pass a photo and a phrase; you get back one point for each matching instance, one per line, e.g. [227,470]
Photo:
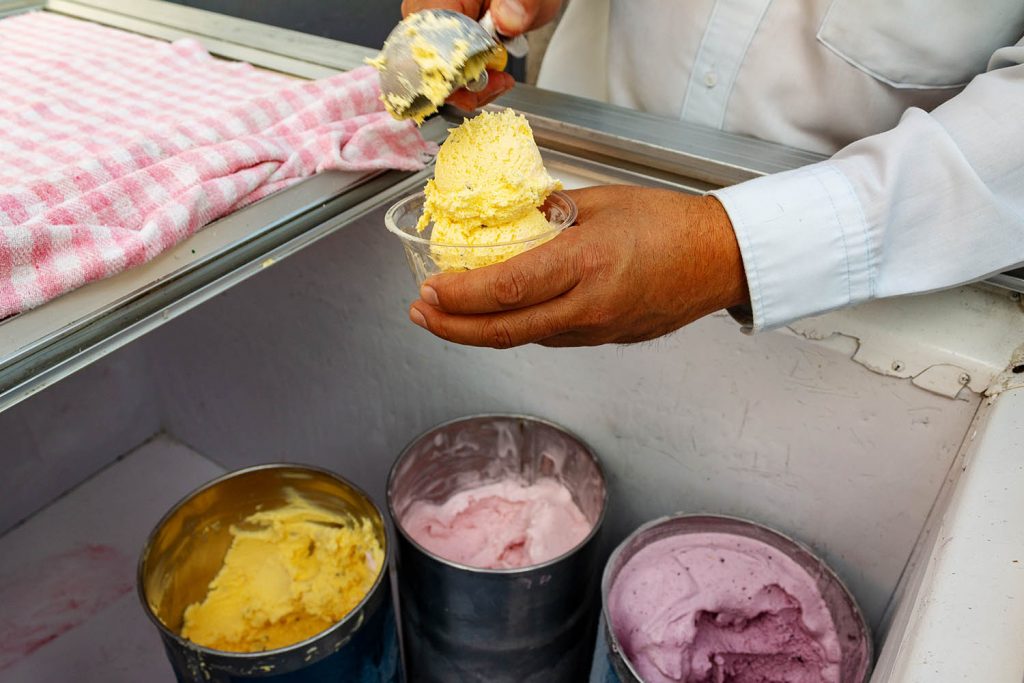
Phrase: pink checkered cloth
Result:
[114,147]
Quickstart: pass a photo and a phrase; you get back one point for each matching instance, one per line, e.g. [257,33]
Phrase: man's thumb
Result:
[513,17]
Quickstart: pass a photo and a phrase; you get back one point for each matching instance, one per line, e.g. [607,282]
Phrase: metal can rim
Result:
[595,529]
[354,614]
[616,646]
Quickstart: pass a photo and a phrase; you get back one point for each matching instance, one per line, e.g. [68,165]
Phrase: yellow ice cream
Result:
[440,73]
[488,187]
[289,574]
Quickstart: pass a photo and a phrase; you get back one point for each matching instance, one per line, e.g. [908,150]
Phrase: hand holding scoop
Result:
[432,53]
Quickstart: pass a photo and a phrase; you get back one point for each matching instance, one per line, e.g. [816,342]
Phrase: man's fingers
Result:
[513,17]
[533,277]
[498,83]
[498,330]
[589,200]
[569,340]
[472,8]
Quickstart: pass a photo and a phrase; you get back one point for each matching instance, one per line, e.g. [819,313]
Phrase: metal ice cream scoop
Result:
[426,57]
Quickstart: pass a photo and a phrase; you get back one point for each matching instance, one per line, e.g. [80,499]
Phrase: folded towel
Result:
[114,147]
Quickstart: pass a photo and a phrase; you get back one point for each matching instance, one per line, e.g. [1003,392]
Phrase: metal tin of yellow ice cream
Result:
[186,552]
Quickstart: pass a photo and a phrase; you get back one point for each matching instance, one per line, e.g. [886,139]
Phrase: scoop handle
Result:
[517,46]
[479,83]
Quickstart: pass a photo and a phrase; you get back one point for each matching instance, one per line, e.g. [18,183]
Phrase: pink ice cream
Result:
[506,525]
[712,607]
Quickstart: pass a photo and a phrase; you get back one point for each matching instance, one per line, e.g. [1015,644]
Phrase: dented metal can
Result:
[186,550]
[610,663]
[460,623]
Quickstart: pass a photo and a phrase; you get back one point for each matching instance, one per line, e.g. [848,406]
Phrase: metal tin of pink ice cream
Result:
[460,623]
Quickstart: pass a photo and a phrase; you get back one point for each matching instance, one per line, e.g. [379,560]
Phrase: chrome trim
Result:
[46,324]
[1012,280]
[278,49]
[594,129]
[82,344]
[9,7]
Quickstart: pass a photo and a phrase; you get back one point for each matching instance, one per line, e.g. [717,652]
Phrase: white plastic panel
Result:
[966,617]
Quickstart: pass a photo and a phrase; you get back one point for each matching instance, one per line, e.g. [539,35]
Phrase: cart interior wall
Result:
[314,361]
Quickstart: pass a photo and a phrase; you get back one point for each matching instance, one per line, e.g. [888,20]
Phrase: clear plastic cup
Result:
[427,259]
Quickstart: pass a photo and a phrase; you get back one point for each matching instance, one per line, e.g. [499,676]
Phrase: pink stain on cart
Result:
[51,597]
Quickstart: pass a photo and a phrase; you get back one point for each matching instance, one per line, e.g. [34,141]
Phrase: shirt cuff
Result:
[804,242]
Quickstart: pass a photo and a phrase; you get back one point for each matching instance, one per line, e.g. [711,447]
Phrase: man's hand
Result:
[512,17]
[639,264]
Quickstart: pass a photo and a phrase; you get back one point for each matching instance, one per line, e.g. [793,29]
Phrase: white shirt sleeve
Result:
[933,203]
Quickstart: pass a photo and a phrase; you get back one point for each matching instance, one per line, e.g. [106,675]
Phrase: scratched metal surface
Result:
[314,361]
[350,21]
[61,436]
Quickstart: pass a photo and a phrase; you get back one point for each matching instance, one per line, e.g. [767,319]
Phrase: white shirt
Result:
[923,99]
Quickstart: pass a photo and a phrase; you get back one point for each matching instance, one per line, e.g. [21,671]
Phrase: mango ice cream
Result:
[289,574]
[488,187]
[441,67]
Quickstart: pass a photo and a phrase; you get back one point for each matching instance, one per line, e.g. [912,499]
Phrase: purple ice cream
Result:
[715,607]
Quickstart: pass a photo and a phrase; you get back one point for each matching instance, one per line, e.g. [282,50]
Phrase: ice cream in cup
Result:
[490,199]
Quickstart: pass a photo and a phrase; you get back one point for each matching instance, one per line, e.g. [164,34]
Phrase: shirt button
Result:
[710,79]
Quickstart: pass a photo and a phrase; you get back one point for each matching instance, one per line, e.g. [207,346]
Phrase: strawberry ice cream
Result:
[505,525]
[712,607]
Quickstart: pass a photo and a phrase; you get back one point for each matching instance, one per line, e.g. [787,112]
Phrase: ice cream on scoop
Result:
[710,607]
[289,574]
[505,525]
[430,54]
[488,187]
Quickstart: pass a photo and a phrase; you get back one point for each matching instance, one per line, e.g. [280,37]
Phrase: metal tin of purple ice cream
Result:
[610,663]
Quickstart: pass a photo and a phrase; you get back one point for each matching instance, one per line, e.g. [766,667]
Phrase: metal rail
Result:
[86,342]
[618,142]
[18,6]
[277,49]
[576,125]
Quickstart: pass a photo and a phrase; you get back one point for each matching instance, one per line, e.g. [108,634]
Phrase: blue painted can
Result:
[602,669]
[186,550]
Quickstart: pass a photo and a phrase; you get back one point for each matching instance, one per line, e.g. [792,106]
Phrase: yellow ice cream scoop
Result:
[488,188]
[488,171]
[433,53]
[289,574]
[490,199]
